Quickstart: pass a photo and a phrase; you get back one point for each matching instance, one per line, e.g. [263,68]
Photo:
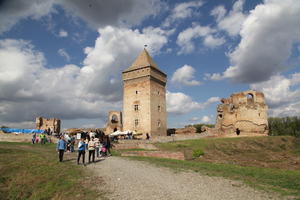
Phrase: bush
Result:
[284,126]
[197,153]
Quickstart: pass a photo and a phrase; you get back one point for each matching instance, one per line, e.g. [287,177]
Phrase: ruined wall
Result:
[246,111]
[52,124]
[114,122]
[186,130]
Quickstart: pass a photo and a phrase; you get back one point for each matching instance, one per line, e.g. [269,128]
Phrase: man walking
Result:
[61,148]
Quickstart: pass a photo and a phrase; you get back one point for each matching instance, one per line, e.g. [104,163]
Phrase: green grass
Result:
[286,182]
[33,172]
[271,151]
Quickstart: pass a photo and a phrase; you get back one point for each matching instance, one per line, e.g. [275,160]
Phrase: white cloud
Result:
[218,12]
[282,94]
[185,75]
[214,76]
[267,38]
[186,38]
[180,103]
[212,42]
[95,13]
[29,89]
[182,11]
[63,53]
[63,33]
[205,119]
[232,22]
[280,90]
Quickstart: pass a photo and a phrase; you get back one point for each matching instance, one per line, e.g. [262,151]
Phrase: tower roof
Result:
[143,60]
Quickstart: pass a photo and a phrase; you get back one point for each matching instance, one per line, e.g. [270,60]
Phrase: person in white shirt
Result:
[91,148]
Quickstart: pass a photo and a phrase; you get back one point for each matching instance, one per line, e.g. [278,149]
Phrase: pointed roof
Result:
[143,60]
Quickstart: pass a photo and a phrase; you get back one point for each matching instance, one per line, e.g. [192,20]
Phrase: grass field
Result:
[268,163]
[33,172]
[281,152]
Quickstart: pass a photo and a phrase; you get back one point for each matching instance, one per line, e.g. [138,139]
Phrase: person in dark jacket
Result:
[61,148]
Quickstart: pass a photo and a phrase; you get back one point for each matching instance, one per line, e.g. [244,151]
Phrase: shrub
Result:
[197,153]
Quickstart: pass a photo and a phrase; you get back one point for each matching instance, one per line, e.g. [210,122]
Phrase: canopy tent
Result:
[119,133]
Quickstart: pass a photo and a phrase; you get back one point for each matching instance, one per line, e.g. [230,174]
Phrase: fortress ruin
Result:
[114,122]
[244,114]
[50,125]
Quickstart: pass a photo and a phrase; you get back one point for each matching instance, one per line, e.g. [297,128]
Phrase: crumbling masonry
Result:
[50,125]
[245,111]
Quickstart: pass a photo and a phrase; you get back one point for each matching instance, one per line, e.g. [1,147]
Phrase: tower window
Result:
[136,107]
[158,123]
[158,108]
[136,92]
[158,92]
[136,122]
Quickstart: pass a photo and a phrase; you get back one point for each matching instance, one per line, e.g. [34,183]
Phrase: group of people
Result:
[95,146]
[41,138]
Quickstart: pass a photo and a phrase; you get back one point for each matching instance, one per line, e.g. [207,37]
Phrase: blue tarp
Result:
[18,130]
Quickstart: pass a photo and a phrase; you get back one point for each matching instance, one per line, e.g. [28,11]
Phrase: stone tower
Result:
[144,101]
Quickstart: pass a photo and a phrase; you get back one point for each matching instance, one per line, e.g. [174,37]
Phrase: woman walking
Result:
[91,147]
[81,151]
[61,148]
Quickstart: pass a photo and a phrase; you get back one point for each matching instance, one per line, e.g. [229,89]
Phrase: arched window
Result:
[250,98]
[114,119]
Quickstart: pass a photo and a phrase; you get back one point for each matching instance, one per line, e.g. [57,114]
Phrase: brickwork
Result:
[52,124]
[114,122]
[245,111]
[144,100]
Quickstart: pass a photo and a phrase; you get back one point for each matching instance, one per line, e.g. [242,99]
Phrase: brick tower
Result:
[144,100]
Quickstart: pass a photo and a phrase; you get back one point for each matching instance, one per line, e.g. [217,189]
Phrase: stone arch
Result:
[114,119]
[250,98]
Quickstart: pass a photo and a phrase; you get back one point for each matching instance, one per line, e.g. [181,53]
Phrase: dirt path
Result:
[127,179]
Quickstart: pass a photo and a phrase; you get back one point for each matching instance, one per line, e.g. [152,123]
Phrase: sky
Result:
[64,58]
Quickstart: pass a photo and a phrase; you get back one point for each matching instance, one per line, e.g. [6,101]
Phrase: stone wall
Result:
[245,111]
[114,122]
[144,97]
[186,130]
[51,125]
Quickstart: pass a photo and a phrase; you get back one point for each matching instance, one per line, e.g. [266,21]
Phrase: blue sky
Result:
[64,58]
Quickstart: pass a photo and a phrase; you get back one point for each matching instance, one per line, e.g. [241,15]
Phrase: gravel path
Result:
[128,179]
